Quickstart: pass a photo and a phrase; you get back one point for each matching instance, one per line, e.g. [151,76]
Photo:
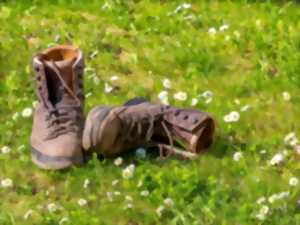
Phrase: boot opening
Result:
[61,53]
[206,137]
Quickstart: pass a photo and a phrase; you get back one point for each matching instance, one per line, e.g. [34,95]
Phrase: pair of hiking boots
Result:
[61,135]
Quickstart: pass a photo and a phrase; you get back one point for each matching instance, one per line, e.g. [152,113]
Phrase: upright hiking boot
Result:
[110,131]
[56,138]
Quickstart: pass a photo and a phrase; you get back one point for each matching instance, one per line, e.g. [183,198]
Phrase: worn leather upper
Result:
[145,124]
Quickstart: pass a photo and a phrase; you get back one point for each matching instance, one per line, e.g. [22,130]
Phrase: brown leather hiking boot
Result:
[112,130]
[58,119]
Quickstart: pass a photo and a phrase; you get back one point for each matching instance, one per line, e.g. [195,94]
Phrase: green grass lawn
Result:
[244,57]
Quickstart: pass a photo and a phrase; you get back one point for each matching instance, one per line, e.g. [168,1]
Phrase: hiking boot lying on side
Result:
[110,131]
[58,118]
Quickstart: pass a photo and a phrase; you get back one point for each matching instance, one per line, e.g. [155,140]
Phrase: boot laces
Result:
[62,119]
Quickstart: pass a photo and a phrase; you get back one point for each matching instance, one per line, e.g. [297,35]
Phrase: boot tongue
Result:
[60,95]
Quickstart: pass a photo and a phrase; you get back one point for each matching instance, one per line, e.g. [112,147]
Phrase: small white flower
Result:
[169,202]
[182,6]
[82,202]
[114,182]
[261,200]
[128,171]
[212,31]
[114,78]
[86,183]
[286,96]
[263,151]
[5,149]
[27,112]
[207,94]
[291,139]
[232,117]
[180,96]
[109,196]
[28,214]
[118,161]
[63,220]
[7,183]
[108,88]
[140,153]
[194,102]
[293,181]
[264,210]
[277,159]
[129,206]
[167,83]
[159,210]
[52,207]
[128,198]
[144,193]
[237,156]
[224,27]
[163,97]
[278,196]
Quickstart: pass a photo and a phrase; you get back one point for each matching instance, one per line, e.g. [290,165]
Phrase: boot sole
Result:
[54,162]
[92,125]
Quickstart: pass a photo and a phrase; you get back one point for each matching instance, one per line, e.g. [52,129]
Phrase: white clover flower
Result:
[27,112]
[167,83]
[63,220]
[169,202]
[245,108]
[237,156]
[144,193]
[7,183]
[86,183]
[118,161]
[108,88]
[194,102]
[82,202]
[212,31]
[114,182]
[277,159]
[264,210]
[207,94]
[286,96]
[163,97]
[261,200]
[52,207]
[128,198]
[28,214]
[128,171]
[5,149]
[224,27]
[293,181]
[291,139]
[180,96]
[114,78]
[109,196]
[278,196]
[232,117]
[159,210]
[129,206]
[141,153]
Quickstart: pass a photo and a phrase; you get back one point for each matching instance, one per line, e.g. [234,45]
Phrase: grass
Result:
[251,63]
